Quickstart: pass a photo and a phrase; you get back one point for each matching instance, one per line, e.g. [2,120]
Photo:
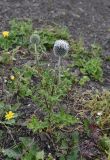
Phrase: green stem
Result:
[36,55]
[6,46]
[59,69]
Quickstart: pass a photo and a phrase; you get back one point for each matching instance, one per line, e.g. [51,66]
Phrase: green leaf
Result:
[1,105]
[64,118]
[28,156]
[36,125]
[75,138]
[26,141]
[62,157]
[10,153]
[40,155]
[105,143]
[73,155]
[10,122]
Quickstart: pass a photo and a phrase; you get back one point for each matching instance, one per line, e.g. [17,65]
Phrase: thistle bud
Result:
[35,39]
[61,48]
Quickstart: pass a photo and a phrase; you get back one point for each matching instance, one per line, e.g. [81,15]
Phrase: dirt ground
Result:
[87,18]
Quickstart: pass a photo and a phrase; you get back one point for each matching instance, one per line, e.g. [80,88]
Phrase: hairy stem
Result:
[36,55]
[59,69]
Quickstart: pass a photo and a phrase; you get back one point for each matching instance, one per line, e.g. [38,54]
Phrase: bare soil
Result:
[89,19]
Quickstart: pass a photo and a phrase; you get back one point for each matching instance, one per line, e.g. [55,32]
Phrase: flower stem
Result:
[6,44]
[59,69]
[36,55]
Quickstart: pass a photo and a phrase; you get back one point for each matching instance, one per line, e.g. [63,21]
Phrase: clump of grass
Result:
[18,34]
[88,61]
[100,103]
[20,31]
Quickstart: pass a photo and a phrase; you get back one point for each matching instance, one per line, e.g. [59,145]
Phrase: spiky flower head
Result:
[61,47]
[35,39]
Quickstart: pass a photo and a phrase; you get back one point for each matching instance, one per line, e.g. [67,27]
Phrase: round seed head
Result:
[61,48]
[35,39]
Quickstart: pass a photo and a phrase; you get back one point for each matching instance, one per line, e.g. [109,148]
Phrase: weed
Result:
[88,61]
[20,31]
[83,80]
[21,84]
[105,144]
[19,34]
[100,103]
[25,150]
[93,68]
[6,58]
[67,149]
[47,95]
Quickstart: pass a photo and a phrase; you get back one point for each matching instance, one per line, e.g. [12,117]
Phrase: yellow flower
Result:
[9,115]
[12,77]
[5,34]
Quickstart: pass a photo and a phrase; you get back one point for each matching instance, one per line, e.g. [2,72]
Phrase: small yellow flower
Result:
[9,115]
[12,77]
[5,34]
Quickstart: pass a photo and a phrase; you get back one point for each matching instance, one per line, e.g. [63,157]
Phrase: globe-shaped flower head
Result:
[61,47]
[35,39]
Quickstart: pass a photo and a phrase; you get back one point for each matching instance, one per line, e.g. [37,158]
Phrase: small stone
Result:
[99,113]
